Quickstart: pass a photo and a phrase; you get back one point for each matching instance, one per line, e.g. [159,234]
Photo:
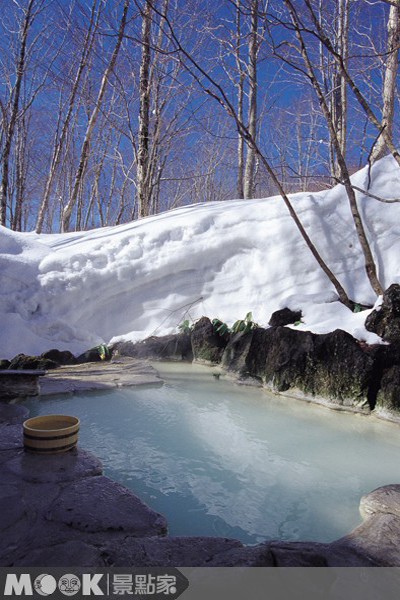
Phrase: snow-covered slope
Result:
[74,290]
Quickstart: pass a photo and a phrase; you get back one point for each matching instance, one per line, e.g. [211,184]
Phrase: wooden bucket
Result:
[50,434]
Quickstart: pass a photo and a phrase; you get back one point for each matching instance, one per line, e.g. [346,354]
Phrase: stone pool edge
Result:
[121,371]
[61,510]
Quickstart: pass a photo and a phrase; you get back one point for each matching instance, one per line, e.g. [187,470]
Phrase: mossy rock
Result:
[26,362]
[388,398]
[385,320]
[61,357]
[284,316]
[332,365]
[207,345]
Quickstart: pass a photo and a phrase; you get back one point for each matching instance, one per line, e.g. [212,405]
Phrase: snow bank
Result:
[72,291]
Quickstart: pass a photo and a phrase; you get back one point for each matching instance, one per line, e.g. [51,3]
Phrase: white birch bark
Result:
[389,82]
[144,115]
[14,113]
[249,184]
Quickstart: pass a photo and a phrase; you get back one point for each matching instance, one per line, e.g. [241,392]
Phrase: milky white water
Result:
[219,459]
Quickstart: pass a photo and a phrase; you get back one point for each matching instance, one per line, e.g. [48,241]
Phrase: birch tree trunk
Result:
[14,113]
[144,115]
[240,96]
[389,83]
[339,92]
[66,215]
[249,184]
[20,173]
[157,143]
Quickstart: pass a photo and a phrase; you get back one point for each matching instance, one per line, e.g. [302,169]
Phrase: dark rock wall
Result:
[207,345]
[385,321]
[332,365]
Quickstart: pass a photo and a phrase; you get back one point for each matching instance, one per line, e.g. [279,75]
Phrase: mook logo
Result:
[156,584]
[45,585]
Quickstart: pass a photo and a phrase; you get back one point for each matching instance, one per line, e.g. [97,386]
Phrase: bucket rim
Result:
[28,425]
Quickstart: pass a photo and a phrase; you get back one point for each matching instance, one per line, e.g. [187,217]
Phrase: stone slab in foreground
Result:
[100,504]
[14,383]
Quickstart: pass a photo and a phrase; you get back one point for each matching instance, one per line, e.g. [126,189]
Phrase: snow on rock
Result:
[221,259]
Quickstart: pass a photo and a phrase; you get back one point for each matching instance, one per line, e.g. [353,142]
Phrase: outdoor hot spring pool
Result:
[223,460]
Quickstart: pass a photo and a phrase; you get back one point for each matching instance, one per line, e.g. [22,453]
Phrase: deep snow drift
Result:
[222,259]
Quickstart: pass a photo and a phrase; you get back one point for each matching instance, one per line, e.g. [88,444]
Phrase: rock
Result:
[61,357]
[207,346]
[119,372]
[245,556]
[224,552]
[10,436]
[386,355]
[169,551]
[275,554]
[275,356]
[24,500]
[91,355]
[25,362]
[67,554]
[331,368]
[57,468]
[13,413]
[339,370]
[4,364]
[12,507]
[246,353]
[385,320]
[388,398]
[285,316]
[168,347]
[287,362]
[99,504]
[378,537]
[18,383]
[385,499]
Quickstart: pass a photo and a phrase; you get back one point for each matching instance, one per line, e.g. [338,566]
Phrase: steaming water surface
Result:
[220,459]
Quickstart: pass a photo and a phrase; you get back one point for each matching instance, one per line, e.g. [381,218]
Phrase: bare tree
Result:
[64,125]
[333,83]
[324,38]
[144,113]
[66,215]
[240,98]
[26,24]
[214,90]
[370,266]
[389,83]
[248,184]
[339,91]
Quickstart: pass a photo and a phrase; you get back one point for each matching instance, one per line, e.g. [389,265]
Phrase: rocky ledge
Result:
[121,371]
[62,511]
[333,369]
